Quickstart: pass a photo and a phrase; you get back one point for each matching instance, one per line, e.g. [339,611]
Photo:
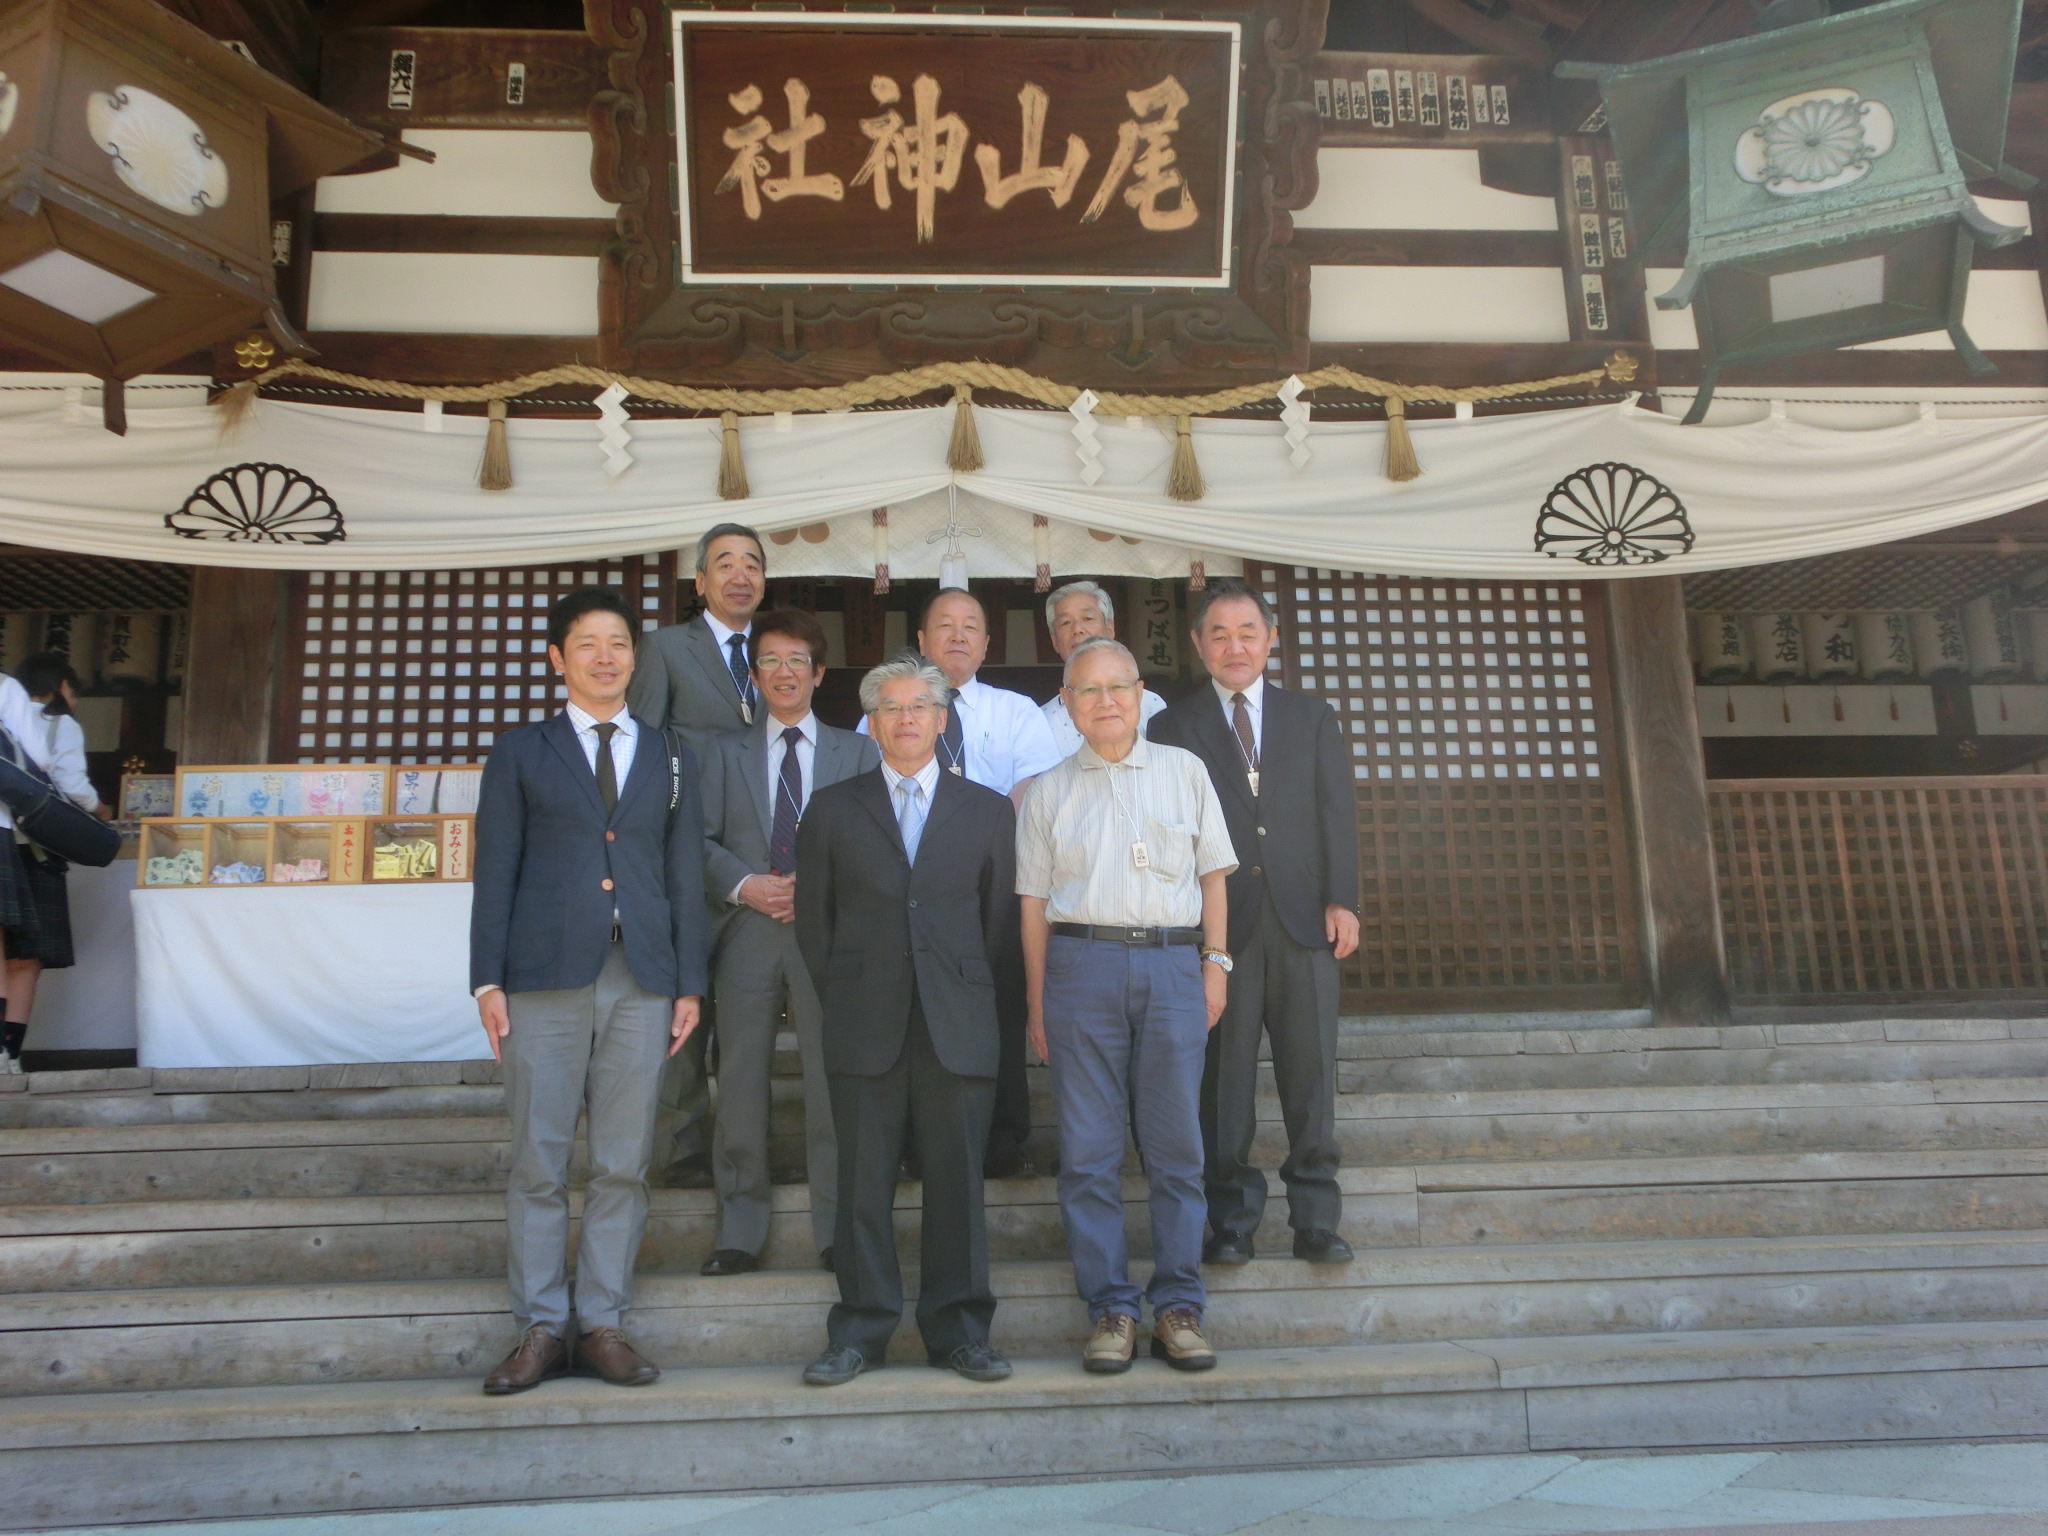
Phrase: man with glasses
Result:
[757,784]
[1079,611]
[906,898]
[1122,856]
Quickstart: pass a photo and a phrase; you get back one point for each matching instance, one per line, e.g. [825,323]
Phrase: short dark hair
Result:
[724,531]
[46,672]
[793,622]
[572,606]
[1228,589]
[931,602]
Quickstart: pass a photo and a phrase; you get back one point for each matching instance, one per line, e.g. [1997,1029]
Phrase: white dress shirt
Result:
[926,778]
[622,740]
[24,722]
[806,767]
[1003,735]
[64,746]
[1254,705]
[1068,739]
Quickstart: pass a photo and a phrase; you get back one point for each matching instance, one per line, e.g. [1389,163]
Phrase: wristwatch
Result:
[1219,958]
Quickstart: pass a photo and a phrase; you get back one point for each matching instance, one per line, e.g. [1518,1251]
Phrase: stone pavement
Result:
[1998,1489]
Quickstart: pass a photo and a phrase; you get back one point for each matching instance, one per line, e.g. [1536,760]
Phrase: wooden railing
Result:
[1910,887]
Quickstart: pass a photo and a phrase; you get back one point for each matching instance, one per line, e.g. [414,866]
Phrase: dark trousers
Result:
[1289,992]
[1010,1126]
[948,1116]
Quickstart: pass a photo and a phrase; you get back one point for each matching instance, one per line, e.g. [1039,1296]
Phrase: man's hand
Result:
[1215,990]
[771,895]
[497,1020]
[689,1013]
[1034,1032]
[1340,927]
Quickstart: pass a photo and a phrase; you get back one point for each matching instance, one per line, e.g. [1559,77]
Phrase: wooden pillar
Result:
[231,671]
[1666,779]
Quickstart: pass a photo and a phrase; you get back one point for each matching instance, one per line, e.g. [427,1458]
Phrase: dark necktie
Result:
[952,751]
[789,800]
[736,660]
[607,770]
[1241,722]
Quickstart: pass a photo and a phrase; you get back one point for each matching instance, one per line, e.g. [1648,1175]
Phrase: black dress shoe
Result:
[1006,1164]
[730,1261]
[825,1262]
[685,1173]
[837,1366]
[977,1362]
[1228,1248]
[910,1171]
[1321,1246]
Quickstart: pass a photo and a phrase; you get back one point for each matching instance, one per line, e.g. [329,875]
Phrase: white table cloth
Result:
[281,976]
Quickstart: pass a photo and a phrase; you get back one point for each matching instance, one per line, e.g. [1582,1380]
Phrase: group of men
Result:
[1139,891]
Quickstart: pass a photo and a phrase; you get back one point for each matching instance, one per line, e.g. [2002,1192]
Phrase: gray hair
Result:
[1096,643]
[904,666]
[1086,589]
[728,531]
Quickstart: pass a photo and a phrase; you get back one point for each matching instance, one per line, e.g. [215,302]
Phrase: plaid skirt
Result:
[35,908]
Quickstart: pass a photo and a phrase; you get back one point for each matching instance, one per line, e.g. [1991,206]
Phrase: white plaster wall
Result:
[1478,304]
[485,171]
[485,295]
[1415,189]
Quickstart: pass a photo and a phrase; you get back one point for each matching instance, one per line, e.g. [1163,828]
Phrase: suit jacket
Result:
[739,814]
[540,916]
[681,679]
[1298,841]
[876,931]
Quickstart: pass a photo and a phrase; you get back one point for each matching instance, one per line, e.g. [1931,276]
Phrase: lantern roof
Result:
[1971,43]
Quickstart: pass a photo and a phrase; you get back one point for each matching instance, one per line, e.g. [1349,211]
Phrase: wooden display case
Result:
[302,853]
[164,842]
[332,850]
[239,846]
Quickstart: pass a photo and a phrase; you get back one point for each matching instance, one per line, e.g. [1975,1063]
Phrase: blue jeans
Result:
[1127,1029]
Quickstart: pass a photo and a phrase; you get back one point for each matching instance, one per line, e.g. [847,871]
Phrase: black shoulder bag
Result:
[46,815]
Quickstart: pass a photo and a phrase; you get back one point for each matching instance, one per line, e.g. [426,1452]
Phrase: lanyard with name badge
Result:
[1141,857]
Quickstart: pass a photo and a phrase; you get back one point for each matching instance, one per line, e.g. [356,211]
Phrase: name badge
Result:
[1253,775]
[1139,857]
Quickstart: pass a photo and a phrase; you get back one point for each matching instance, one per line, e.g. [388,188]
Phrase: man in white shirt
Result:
[997,738]
[1079,611]
[757,786]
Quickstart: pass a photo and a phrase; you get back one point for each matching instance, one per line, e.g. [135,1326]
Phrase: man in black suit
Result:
[904,899]
[586,955]
[1278,762]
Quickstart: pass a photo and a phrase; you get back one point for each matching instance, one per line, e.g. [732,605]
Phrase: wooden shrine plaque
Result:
[835,148]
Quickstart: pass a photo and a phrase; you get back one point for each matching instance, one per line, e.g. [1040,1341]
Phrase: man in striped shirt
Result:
[1121,859]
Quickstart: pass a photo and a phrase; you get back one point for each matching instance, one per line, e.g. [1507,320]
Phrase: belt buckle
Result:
[1136,936]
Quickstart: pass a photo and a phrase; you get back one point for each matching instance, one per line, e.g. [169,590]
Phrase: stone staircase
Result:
[273,1290]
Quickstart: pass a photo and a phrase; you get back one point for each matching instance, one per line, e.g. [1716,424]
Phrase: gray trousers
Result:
[593,1050]
[758,972]
[1290,993]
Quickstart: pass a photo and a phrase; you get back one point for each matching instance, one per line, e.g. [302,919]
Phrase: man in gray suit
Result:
[757,784]
[695,677]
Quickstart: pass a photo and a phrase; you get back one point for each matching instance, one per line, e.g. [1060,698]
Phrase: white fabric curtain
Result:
[1765,491]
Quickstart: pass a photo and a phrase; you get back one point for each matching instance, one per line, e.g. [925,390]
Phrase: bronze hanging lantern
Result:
[1822,170]
[138,158]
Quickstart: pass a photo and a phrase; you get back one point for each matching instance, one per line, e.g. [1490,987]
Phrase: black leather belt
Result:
[1147,938]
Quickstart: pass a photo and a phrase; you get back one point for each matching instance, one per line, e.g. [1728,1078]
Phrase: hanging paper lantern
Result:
[1720,646]
[1779,644]
[1992,637]
[1938,648]
[1884,645]
[1830,644]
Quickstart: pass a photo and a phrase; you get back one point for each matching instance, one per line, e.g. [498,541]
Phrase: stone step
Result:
[222,1336]
[212,1453]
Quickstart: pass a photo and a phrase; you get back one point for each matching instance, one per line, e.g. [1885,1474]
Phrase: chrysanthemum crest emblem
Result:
[1612,514]
[1814,142]
[259,504]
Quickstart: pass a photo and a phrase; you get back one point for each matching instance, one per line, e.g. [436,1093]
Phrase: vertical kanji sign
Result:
[835,148]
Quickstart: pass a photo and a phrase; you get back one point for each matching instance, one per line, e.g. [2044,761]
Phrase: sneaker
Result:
[1177,1339]
[9,1065]
[1109,1348]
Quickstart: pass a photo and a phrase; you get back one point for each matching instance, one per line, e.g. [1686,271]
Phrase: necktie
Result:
[789,799]
[607,770]
[1241,722]
[736,660]
[952,750]
[910,814]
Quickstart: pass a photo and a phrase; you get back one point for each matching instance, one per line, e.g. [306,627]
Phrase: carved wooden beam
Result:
[1897,368]
[463,77]
[1430,247]
[462,234]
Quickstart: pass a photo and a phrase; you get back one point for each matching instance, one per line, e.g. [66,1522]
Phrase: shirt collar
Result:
[971,689]
[722,633]
[583,720]
[1137,757]
[926,778]
[1254,696]
[808,725]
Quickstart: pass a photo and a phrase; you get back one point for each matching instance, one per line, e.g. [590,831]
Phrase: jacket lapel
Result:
[649,765]
[561,735]
[703,648]
[947,801]
[753,751]
[873,793]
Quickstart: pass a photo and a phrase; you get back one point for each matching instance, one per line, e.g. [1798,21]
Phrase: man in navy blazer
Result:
[587,956]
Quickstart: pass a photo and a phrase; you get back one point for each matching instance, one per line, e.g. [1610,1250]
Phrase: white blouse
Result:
[26,723]
[64,756]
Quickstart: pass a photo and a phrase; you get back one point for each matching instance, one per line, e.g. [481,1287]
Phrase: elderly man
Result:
[1075,612]
[997,738]
[903,900]
[694,676]
[1121,861]
[1279,764]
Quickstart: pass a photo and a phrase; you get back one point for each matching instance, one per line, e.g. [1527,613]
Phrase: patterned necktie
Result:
[1241,722]
[952,749]
[789,799]
[910,814]
[736,661]
[607,769]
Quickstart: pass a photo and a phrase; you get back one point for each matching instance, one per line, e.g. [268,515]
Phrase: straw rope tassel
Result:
[1184,480]
[495,473]
[236,404]
[963,453]
[732,469]
[1401,460]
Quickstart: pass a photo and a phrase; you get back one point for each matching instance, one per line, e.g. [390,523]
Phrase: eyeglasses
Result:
[1121,692]
[796,663]
[906,711]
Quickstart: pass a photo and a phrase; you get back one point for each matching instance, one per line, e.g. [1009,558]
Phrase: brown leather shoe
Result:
[1108,1351]
[538,1356]
[1177,1339]
[605,1354]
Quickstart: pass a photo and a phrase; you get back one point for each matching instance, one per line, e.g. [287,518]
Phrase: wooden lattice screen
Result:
[428,666]
[1483,753]
[1882,887]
